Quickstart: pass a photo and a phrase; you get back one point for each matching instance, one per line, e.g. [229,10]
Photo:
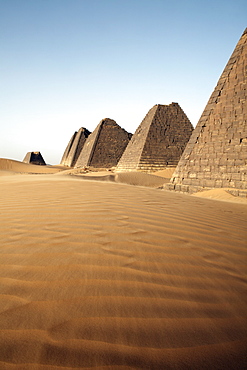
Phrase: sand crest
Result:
[130,178]
[104,275]
[10,166]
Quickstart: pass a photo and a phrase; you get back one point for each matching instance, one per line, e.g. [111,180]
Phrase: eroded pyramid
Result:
[74,147]
[159,140]
[104,146]
[216,155]
[68,147]
[34,158]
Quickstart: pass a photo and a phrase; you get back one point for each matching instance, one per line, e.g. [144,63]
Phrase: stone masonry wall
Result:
[74,147]
[159,140]
[216,155]
[112,141]
[167,138]
[105,146]
[77,146]
[82,137]
[87,150]
[34,158]
[131,156]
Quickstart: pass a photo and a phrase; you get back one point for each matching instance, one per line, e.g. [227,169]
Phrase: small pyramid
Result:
[159,140]
[104,146]
[216,155]
[34,158]
[74,147]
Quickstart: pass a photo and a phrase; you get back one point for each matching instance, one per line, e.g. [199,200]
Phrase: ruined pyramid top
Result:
[34,158]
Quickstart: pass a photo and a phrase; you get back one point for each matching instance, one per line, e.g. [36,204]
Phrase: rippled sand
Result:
[100,274]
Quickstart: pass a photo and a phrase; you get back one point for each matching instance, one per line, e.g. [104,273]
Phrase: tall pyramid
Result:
[104,146]
[216,155]
[159,140]
[34,158]
[74,147]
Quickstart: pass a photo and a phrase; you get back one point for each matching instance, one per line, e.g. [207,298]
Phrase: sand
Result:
[220,194]
[99,274]
[9,166]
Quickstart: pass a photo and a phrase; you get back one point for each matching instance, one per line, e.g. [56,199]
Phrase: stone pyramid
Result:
[74,147]
[216,155]
[34,158]
[68,147]
[104,146]
[159,140]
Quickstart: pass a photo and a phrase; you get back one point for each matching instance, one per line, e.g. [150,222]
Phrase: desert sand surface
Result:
[130,178]
[10,166]
[220,194]
[167,173]
[99,274]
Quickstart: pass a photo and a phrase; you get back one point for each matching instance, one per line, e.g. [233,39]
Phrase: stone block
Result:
[184,188]
[242,193]
[236,176]
[186,182]
[218,183]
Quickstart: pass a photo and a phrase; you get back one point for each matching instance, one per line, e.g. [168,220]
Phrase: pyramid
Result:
[216,155]
[74,147]
[104,146]
[159,140]
[66,152]
[34,158]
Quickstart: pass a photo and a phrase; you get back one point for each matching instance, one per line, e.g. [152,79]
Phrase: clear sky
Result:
[66,64]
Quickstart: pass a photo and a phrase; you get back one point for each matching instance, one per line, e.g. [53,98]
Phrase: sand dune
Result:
[220,194]
[104,275]
[8,166]
[130,178]
[154,180]
[167,173]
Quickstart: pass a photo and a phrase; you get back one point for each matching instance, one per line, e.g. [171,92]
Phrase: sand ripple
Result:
[110,276]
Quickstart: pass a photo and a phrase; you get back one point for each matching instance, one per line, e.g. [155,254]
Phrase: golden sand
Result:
[99,274]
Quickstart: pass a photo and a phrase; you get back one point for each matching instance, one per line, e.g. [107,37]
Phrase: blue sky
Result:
[66,64]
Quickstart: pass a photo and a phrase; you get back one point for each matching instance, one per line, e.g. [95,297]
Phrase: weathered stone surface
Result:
[34,158]
[104,146]
[216,155]
[159,140]
[74,147]
[68,147]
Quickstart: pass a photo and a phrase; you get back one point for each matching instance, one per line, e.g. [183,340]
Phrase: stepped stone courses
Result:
[159,140]
[104,146]
[216,155]
[74,147]
[34,158]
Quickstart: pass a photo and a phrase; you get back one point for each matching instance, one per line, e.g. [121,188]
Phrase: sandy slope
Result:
[106,275]
[130,178]
[167,173]
[154,180]
[10,166]
[220,194]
